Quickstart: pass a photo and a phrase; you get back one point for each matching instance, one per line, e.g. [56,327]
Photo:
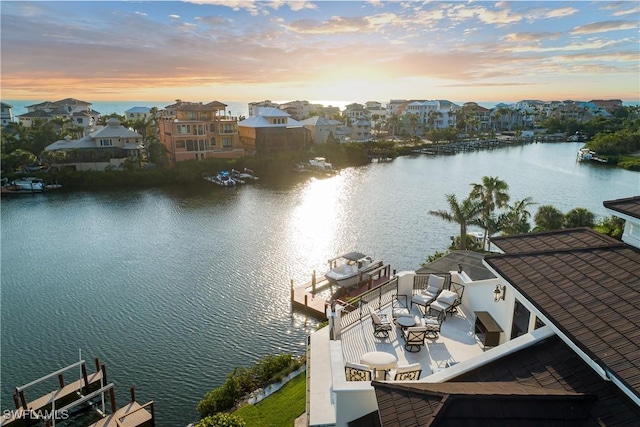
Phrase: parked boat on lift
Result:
[344,270]
[586,154]
[320,163]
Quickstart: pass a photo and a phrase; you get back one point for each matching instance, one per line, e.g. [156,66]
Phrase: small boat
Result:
[244,176]
[320,163]
[223,178]
[577,137]
[586,154]
[345,269]
[28,185]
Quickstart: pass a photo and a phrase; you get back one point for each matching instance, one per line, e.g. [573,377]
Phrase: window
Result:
[198,129]
[179,144]
[105,143]
[226,142]
[190,146]
[183,129]
[79,120]
[213,142]
[227,128]
[212,128]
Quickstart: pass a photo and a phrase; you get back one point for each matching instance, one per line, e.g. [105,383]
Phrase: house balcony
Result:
[457,348]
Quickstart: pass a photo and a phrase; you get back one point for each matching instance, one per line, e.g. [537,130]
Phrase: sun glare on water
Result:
[315,220]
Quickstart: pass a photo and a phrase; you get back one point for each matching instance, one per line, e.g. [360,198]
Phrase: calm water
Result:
[174,288]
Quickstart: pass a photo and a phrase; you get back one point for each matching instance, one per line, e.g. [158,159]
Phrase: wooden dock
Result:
[307,298]
[80,393]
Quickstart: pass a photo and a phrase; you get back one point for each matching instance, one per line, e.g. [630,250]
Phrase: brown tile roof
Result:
[552,365]
[590,293]
[568,238]
[629,206]
[479,404]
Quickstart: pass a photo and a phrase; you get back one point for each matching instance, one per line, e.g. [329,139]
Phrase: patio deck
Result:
[455,343]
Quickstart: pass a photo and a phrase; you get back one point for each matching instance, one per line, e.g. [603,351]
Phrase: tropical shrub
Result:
[242,381]
[221,419]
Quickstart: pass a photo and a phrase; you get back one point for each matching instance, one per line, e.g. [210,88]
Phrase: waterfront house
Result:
[6,114]
[108,147]
[73,113]
[271,131]
[547,333]
[361,130]
[195,131]
[320,128]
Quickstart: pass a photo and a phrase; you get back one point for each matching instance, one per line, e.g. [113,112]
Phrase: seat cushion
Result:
[420,299]
[447,298]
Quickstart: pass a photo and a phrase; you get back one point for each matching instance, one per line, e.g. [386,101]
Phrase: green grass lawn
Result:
[280,409]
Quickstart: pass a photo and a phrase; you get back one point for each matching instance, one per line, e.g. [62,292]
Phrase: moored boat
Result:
[223,178]
[345,270]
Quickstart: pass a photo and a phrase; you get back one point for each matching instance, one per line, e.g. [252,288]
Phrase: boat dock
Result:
[68,399]
[311,297]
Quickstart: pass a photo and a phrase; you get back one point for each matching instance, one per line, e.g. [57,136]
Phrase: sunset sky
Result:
[244,50]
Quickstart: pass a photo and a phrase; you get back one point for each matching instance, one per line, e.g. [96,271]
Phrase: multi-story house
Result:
[354,112]
[298,110]
[320,128]
[254,107]
[361,130]
[196,131]
[435,114]
[476,116]
[545,331]
[6,115]
[271,131]
[77,114]
[108,147]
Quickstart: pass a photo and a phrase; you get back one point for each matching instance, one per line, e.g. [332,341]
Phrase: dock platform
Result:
[309,298]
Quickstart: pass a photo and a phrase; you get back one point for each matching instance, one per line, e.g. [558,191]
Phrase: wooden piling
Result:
[133,394]
[61,380]
[85,378]
[112,400]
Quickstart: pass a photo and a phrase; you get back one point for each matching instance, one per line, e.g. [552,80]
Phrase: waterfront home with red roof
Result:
[546,332]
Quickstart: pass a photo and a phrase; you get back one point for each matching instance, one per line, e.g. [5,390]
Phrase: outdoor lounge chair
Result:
[408,372]
[381,325]
[414,338]
[433,325]
[357,372]
[400,307]
[429,294]
[446,302]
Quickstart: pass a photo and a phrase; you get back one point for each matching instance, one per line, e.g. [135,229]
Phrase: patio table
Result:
[379,361]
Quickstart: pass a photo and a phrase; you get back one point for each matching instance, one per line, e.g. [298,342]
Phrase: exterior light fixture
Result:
[499,293]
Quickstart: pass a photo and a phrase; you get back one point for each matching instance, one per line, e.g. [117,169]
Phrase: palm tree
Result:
[548,218]
[516,220]
[393,122]
[462,213]
[579,217]
[491,194]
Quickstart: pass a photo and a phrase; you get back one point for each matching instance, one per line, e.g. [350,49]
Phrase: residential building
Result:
[361,130]
[354,112]
[77,114]
[137,113]
[197,131]
[6,115]
[320,128]
[607,104]
[298,110]
[272,130]
[108,147]
[546,331]
[255,106]
[476,117]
